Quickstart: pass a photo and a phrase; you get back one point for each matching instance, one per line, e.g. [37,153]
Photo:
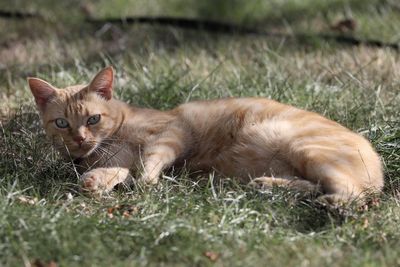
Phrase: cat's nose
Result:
[79,139]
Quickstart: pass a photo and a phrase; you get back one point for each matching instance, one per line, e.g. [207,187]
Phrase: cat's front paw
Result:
[95,182]
[148,180]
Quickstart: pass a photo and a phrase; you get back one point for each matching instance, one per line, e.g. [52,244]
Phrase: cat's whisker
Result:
[112,154]
[103,152]
[71,159]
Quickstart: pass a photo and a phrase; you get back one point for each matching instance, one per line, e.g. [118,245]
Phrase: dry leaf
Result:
[39,263]
[366,223]
[124,210]
[27,200]
[375,202]
[345,25]
[110,210]
[363,208]
[213,256]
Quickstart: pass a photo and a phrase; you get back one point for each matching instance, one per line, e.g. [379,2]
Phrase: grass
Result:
[181,222]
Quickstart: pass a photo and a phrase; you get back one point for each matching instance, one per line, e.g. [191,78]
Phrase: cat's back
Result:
[248,115]
[211,112]
[251,132]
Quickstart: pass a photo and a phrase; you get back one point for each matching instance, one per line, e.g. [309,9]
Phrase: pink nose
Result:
[79,139]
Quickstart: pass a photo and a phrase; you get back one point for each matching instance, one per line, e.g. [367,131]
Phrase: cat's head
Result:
[77,118]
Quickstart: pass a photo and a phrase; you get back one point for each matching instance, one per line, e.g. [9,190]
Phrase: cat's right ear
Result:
[102,83]
[42,91]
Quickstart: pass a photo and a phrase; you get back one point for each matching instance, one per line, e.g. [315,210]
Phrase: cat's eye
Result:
[61,123]
[93,119]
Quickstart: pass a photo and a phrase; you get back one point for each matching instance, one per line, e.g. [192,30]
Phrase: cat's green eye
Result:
[61,123]
[94,119]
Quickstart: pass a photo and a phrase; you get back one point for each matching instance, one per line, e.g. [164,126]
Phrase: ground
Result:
[44,217]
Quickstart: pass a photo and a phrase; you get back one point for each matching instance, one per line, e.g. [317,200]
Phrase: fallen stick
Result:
[17,15]
[223,27]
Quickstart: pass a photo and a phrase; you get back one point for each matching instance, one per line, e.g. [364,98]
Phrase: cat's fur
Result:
[237,137]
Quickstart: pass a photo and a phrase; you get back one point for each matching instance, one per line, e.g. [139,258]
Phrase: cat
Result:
[274,143]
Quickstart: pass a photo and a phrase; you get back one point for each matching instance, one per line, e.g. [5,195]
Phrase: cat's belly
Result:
[244,162]
[258,149]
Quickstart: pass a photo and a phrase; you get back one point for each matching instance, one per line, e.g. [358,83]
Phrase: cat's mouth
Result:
[86,150]
[82,151]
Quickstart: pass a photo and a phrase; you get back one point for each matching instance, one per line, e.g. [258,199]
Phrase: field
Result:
[45,220]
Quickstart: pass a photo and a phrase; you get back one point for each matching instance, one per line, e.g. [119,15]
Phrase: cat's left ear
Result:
[42,91]
[102,83]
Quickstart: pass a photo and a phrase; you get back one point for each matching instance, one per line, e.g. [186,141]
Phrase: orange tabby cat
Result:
[238,137]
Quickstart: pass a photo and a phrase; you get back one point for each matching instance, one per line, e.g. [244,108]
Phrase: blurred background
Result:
[40,27]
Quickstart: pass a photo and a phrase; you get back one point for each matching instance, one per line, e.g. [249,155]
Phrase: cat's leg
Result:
[103,180]
[153,166]
[159,156]
[107,169]
[341,190]
[343,178]
[291,183]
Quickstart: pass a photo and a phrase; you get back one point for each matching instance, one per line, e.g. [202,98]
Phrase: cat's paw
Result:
[95,182]
[339,200]
[263,183]
[148,180]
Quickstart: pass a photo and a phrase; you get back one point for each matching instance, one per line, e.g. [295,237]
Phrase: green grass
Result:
[183,222]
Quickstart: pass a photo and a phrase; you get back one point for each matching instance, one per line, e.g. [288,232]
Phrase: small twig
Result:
[224,27]
[186,23]
[18,15]
[216,27]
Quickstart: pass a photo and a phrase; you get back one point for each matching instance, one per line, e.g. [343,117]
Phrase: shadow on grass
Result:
[26,157]
[279,207]
[116,41]
[302,212]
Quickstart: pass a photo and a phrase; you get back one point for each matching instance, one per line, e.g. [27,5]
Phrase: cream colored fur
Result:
[238,137]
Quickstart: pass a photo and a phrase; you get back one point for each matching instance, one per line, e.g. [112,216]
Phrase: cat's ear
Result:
[102,83]
[42,91]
